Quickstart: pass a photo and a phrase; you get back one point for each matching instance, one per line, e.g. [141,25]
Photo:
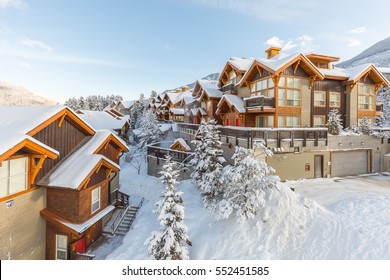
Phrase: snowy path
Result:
[349,219]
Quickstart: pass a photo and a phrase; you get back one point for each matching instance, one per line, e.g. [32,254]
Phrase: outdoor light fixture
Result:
[351,143]
[340,144]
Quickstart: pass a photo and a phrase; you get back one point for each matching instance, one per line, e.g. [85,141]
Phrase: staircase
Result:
[127,221]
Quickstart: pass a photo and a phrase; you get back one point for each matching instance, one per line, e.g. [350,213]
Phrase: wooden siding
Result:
[110,152]
[289,71]
[23,223]
[328,86]
[63,139]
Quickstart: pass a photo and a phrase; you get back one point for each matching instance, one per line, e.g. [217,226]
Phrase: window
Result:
[366,95]
[265,121]
[319,121]
[289,121]
[13,176]
[208,105]
[95,199]
[334,99]
[319,98]
[61,244]
[289,93]
[232,78]
[263,87]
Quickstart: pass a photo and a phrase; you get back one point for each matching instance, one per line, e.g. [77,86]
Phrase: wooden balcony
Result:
[229,88]
[259,102]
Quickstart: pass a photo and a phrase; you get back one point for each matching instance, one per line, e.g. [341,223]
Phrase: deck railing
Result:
[160,152]
[252,134]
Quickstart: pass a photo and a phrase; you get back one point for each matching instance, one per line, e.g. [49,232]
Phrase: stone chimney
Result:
[178,90]
[272,51]
[185,88]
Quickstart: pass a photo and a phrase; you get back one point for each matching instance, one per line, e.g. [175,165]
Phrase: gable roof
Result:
[182,143]
[127,103]
[210,88]
[232,101]
[102,120]
[76,169]
[18,124]
[240,65]
[278,63]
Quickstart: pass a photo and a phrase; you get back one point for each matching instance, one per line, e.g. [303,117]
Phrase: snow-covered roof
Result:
[102,120]
[127,103]
[17,121]
[194,111]
[182,142]
[233,100]
[242,64]
[74,170]
[177,111]
[202,111]
[211,88]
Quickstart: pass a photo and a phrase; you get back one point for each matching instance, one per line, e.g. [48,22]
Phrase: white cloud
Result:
[353,42]
[274,42]
[358,30]
[34,44]
[19,4]
[304,43]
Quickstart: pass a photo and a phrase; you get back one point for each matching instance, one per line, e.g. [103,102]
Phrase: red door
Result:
[81,245]
[237,122]
[227,122]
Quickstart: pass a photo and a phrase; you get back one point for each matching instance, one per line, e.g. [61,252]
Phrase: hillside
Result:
[211,77]
[13,95]
[378,54]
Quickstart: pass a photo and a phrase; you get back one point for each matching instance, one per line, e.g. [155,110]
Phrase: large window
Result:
[366,97]
[263,87]
[334,99]
[319,121]
[95,199]
[319,98]
[61,244]
[13,176]
[265,121]
[289,92]
[289,121]
[232,78]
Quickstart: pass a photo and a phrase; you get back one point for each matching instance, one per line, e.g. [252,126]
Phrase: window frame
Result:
[98,200]
[283,85]
[367,105]
[8,179]
[330,99]
[319,116]
[267,118]
[316,100]
[62,249]
[269,87]
[285,121]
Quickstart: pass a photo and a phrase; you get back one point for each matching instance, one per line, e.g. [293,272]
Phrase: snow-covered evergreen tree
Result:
[383,97]
[149,130]
[335,123]
[209,162]
[365,126]
[247,182]
[170,242]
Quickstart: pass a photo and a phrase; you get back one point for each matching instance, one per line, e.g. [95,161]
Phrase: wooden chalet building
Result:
[57,182]
[297,90]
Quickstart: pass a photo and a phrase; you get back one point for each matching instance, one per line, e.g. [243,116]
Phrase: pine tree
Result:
[365,126]
[246,184]
[170,242]
[149,130]
[335,123]
[209,162]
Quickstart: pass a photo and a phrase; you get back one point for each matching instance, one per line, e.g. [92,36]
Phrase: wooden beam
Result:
[61,120]
[36,167]
[312,80]
[377,86]
[275,79]
[366,75]
[108,172]
[118,152]
[353,85]
[98,169]
[296,65]
[86,183]
[260,71]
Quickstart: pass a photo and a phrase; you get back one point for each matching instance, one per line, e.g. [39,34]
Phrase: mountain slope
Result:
[211,77]
[12,95]
[378,54]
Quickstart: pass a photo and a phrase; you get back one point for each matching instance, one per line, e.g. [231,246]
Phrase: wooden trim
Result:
[30,145]
[36,167]
[107,141]
[339,94]
[296,65]
[61,120]
[12,196]
[314,99]
[57,220]
[86,128]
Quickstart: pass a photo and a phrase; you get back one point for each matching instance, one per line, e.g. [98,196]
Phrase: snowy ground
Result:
[322,219]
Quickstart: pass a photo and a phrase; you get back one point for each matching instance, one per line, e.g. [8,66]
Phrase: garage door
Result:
[349,163]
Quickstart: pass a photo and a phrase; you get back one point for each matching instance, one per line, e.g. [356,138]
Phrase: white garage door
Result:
[349,163]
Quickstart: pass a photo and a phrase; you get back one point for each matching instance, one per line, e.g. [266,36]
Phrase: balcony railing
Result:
[250,135]
[160,153]
[230,88]
[80,256]
[260,101]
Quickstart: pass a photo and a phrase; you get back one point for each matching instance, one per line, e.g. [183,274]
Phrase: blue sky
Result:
[82,47]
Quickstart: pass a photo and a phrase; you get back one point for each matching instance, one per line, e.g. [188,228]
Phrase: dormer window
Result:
[232,78]
[13,176]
